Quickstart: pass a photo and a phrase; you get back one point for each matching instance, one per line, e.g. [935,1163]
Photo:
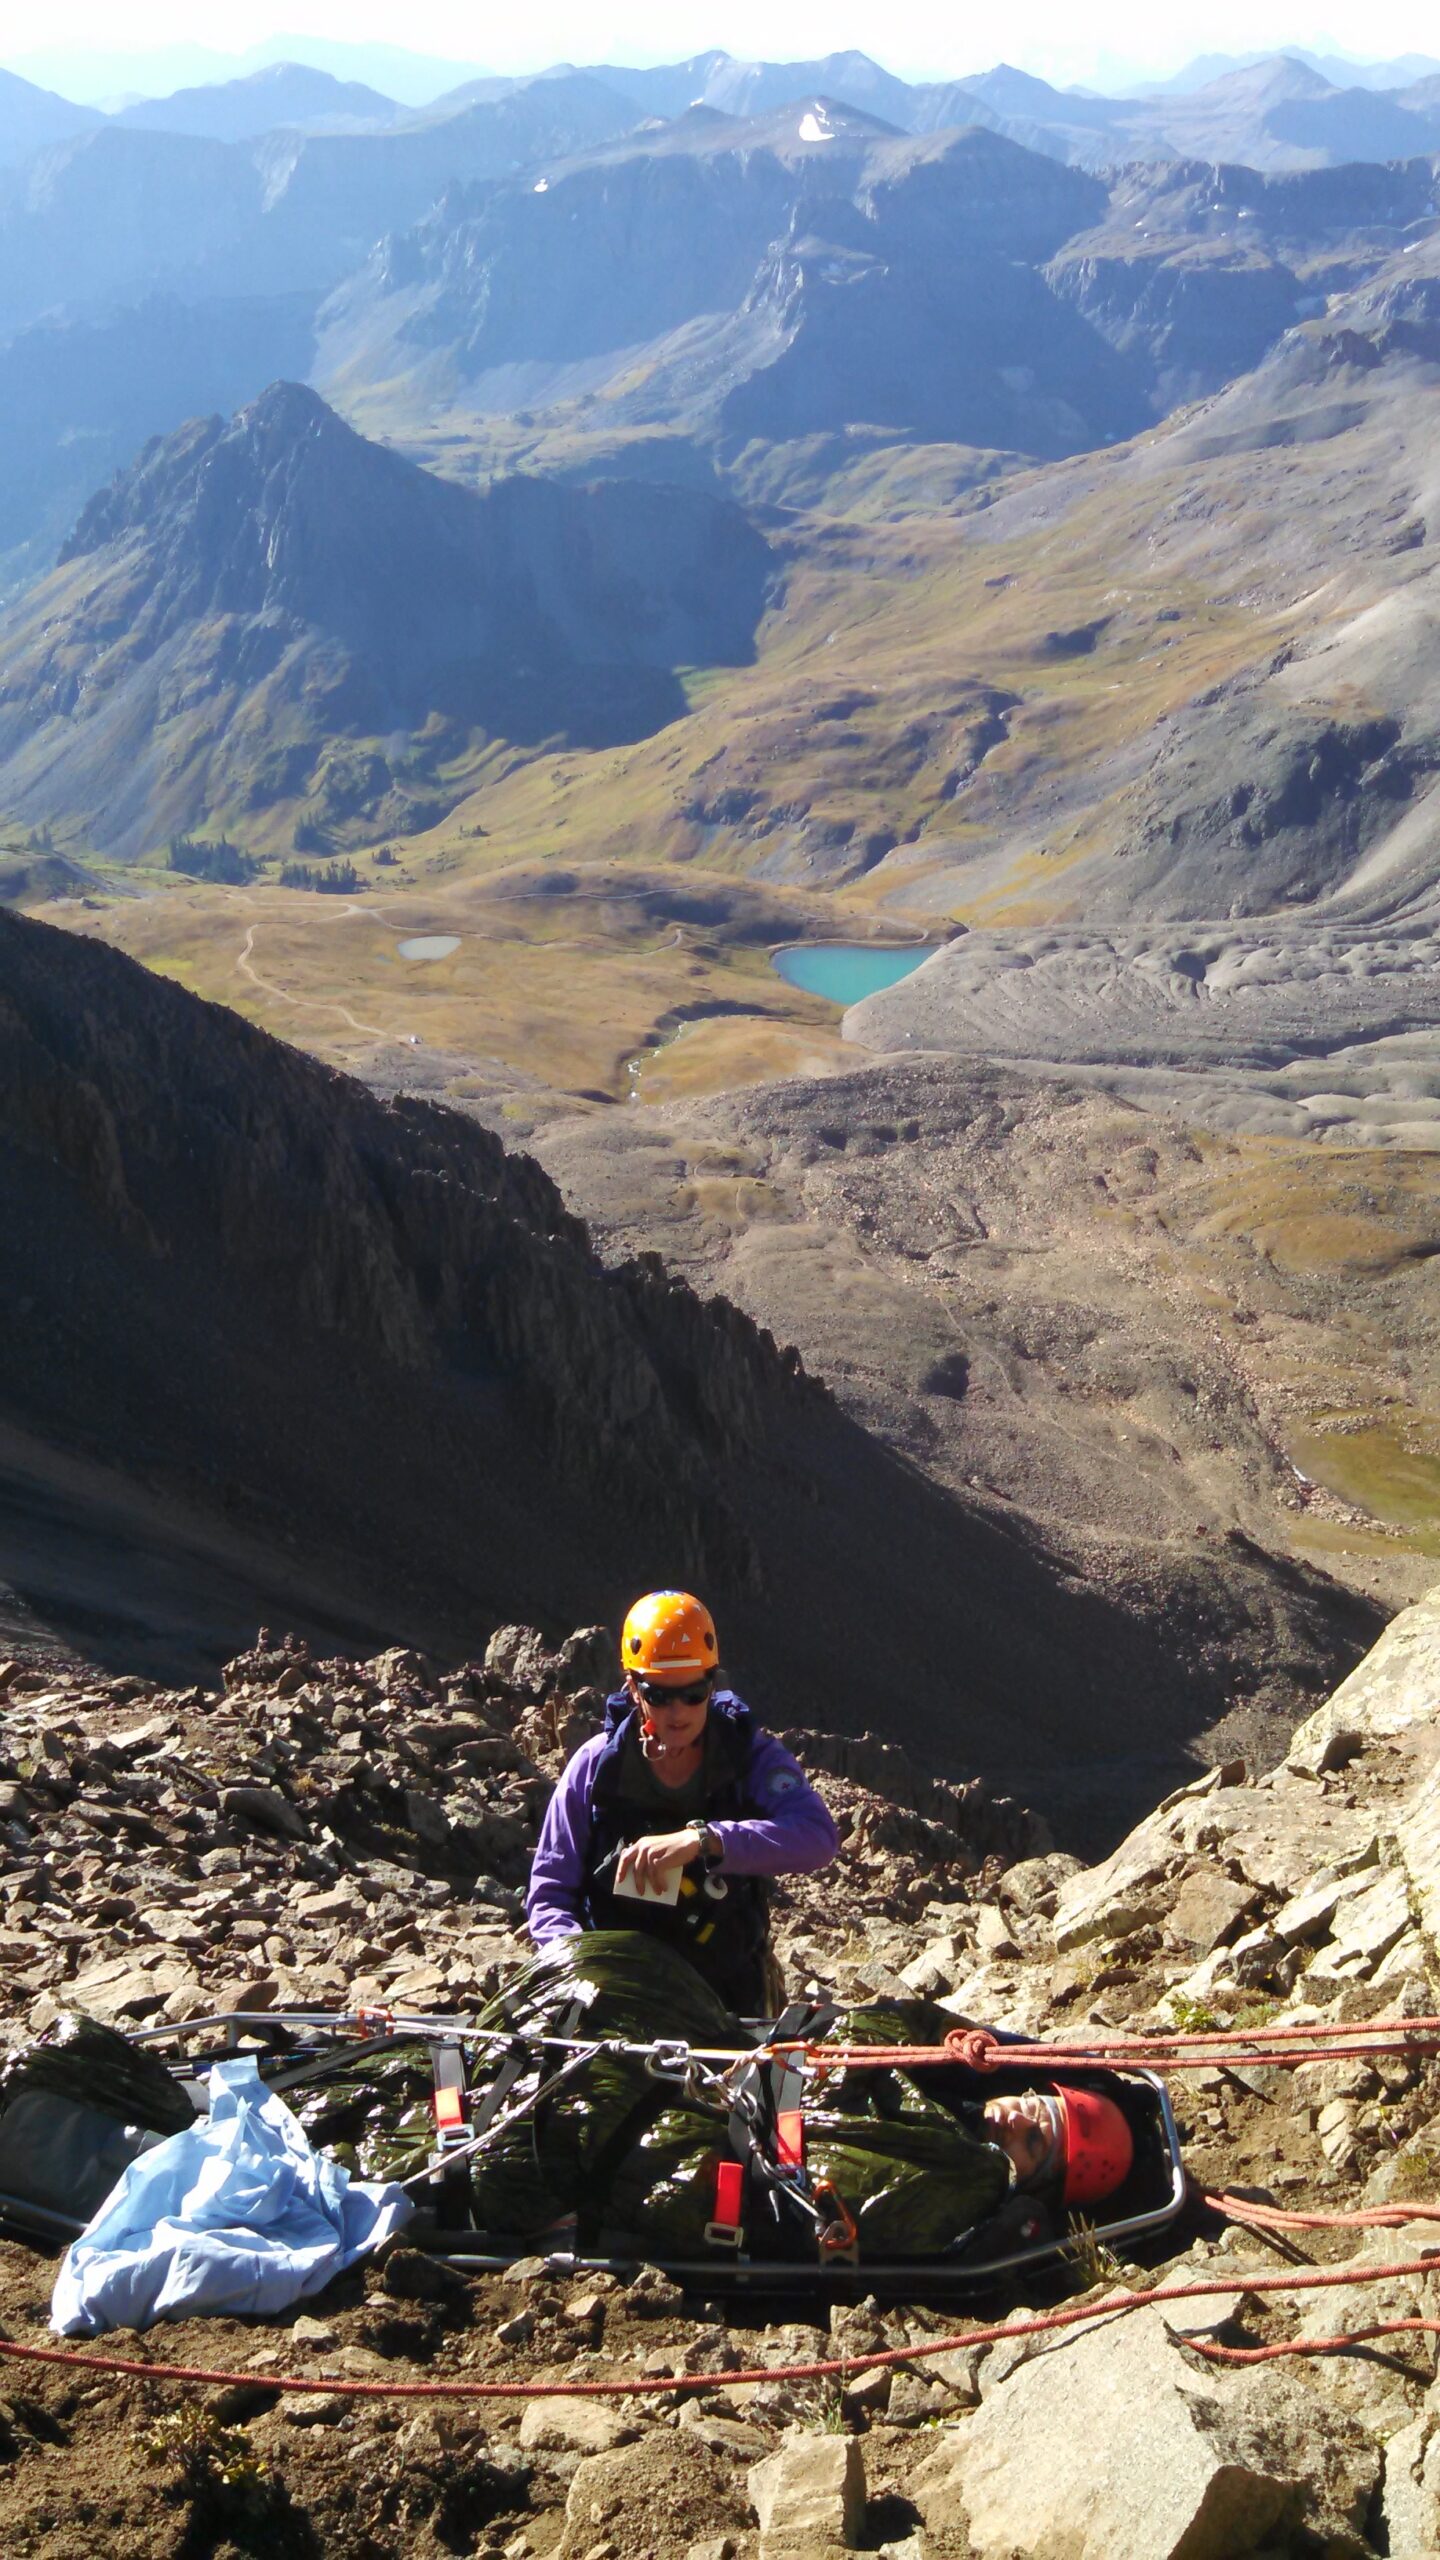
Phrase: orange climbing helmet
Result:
[669,1636]
[1097,2144]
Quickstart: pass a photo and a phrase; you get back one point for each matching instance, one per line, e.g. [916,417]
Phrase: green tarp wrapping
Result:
[375,2113]
[629,2158]
[637,2165]
[622,1984]
[612,2146]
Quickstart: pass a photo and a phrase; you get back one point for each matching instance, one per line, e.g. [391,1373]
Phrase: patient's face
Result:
[1026,2129]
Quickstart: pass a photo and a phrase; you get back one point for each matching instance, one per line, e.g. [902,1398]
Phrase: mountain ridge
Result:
[213,621]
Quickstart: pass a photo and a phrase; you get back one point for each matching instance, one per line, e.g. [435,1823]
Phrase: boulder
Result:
[574,2426]
[931,1974]
[1209,1907]
[650,2496]
[520,1659]
[992,1933]
[264,1809]
[1032,1885]
[1410,2508]
[588,1659]
[1124,1892]
[1311,1914]
[811,2492]
[1253,1962]
[1393,1688]
[1365,1928]
[1116,2444]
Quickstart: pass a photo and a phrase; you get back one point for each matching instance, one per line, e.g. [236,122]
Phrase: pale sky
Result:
[918,38]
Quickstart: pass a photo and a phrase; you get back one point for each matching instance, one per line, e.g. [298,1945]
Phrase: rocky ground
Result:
[1157,1342]
[325,1831]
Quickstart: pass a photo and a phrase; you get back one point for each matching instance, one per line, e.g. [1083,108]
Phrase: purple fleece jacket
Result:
[789,1833]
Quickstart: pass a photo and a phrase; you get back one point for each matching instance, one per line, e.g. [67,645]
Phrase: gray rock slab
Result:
[1365,1928]
[1418,1841]
[1117,2443]
[1208,1907]
[1396,1686]
[1124,1892]
[1311,1914]
[1410,2505]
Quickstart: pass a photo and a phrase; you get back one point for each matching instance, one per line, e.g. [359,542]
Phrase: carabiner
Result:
[669,2060]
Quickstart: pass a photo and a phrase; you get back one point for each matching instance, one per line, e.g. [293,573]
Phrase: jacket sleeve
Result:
[553,1904]
[791,1832]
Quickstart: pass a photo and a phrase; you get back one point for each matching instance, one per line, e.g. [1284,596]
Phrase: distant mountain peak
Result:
[306,583]
[291,409]
[164,484]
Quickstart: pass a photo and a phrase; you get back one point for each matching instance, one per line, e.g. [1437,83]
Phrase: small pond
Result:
[429,946]
[846,971]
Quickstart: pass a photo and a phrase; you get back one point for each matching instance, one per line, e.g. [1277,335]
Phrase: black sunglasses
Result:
[661,1693]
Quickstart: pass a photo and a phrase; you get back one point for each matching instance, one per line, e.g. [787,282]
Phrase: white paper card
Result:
[669,1891]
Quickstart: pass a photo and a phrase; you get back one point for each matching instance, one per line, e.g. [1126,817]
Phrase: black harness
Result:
[720,1923]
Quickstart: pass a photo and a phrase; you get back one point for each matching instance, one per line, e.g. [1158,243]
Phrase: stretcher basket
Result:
[55,2173]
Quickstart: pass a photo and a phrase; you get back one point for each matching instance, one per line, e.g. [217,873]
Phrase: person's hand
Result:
[648,1863]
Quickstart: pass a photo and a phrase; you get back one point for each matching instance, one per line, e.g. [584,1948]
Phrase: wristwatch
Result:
[711,1847]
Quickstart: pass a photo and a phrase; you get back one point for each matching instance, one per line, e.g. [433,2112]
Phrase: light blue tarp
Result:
[236,2214]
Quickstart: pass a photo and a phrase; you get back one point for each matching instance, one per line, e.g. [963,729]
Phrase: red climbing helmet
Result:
[1099,2148]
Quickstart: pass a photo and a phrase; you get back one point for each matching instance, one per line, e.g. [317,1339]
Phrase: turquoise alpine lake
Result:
[846,971]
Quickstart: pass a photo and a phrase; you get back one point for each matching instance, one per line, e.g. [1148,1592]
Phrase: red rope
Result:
[1284,2046]
[828,2369]
[1274,2217]
[1217,2354]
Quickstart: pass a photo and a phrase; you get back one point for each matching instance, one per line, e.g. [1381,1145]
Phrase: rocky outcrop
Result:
[184,1142]
[1158,2458]
[322,1831]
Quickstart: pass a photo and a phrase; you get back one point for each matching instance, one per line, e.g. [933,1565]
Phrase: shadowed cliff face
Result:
[365,1361]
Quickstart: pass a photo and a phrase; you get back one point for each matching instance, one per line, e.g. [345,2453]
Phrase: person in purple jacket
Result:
[674,1818]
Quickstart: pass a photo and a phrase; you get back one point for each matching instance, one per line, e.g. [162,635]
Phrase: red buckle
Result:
[726,2231]
[449,2110]
[790,2139]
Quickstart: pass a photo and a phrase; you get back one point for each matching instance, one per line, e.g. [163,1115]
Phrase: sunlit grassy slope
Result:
[1323,1266]
[562,977]
[868,729]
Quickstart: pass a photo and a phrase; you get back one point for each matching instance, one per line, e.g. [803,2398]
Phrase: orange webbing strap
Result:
[790,2139]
